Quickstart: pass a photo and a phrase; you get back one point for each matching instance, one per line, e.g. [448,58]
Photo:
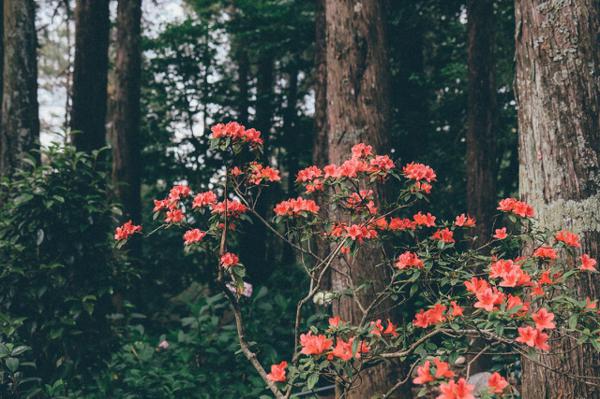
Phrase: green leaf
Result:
[573,321]
[312,381]
[12,364]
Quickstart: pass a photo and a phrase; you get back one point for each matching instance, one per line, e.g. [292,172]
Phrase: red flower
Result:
[527,335]
[463,220]
[442,369]
[424,220]
[476,285]
[178,192]
[486,299]
[298,206]
[444,235]
[500,234]
[259,173]
[426,318]
[228,259]
[314,344]
[587,263]
[236,132]
[457,310]
[569,238]
[517,207]
[361,150]
[174,216]
[334,321]
[377,328]
[308,174]
[401,224]
[423,373]
[408,259]
[160,205]
[545,252]
[204,199]
[192,236]
[381,163]
[419,171]
[126,230]
[497,383]
[277,373]
[453,390]
[234,208]
[343,349]
[390,329]
[543,319]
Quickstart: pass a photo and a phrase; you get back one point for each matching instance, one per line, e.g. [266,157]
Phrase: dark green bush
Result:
[58,272]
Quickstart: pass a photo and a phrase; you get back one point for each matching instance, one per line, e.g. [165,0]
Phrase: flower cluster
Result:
[296,207]
[126,230]
[517,207]
[260,174]
[236,132]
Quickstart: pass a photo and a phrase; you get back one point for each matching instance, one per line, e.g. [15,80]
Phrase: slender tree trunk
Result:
[557,53]
[320,154]
[20,127]
[254,251]
[126,115]
[481,120]
[243,75]
[88,112]
[357,111]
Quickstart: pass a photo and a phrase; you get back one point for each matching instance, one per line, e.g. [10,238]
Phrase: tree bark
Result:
[20,127]
[481,120]
[243,75]
[126,115]
[558,94]
[357,111]
[88,112]
[320,153]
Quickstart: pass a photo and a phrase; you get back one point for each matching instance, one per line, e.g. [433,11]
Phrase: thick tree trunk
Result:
[481,121]
[559,148]
[88,112]
[357,111]
[20,127]
[243,75]
[126,115]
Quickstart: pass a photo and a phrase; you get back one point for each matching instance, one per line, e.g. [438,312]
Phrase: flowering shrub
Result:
[511,294]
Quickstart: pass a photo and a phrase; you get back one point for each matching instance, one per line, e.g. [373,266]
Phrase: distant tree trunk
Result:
[320,154]
[558,94]
[357,111]
[254,250]
[126,114]
[20,127]
[481,119]
[88,112]
[243,76]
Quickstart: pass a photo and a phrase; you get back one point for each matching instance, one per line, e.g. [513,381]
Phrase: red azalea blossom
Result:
[126,230]
[193,236]
[463,220]
[517,207]
[453,390]
[424,220]
[444,235]
[228,259]
[545,252]
[390,329]
[236,132]
[343,349]
[543,319]
[457,310]
[442,369]
[497,383]
[178,192]
[334,321]
[569,238]
[408,259]
[533,337]
[259,174]
[587,263]
[423,374]
[361,150]
[314,344]
[234,208]
[401,224]
[295,207]
[206,198]
[418,171]
[500,234]
[377,328]
[174,216]
[487,299]
[277,373]
[426,318]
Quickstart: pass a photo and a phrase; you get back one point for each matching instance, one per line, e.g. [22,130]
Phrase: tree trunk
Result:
[481,119]
[126,115]
[243,74]
[254,250]
[88,112]
[357,111]
[20,127]
[558,93]
[320,154]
